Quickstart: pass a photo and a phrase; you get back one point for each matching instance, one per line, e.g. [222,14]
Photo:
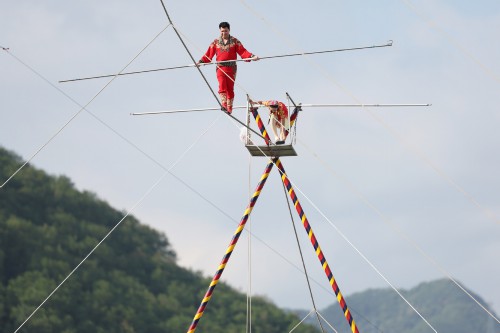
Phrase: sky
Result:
[396,196]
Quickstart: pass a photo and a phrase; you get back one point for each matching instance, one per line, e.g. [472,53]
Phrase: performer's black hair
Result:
[224,25]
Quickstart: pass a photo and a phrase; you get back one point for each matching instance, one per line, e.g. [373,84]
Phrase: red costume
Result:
[282,112]
[278,117]
[226,53]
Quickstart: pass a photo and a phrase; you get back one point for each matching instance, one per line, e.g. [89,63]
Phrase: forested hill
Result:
[131,283]
[447,308]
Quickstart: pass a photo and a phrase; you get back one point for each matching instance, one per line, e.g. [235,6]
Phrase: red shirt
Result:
[226,52]
[282,112]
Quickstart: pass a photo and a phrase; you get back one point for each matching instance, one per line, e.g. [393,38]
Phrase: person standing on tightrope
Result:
[226,49]
[278,116]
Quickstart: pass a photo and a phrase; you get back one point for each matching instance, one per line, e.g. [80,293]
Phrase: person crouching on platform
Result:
[278,116]
[226,49]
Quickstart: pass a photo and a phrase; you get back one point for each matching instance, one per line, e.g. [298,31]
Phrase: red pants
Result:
[226,77]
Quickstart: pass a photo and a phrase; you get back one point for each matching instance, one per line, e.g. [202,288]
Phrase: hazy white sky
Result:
[374,183]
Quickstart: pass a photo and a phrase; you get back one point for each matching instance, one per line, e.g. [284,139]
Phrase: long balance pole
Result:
[301,105]
[230,248]
[389,43]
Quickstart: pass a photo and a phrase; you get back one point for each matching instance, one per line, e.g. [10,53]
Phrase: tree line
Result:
[131,283]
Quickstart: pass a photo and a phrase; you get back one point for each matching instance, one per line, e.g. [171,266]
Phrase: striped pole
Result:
[260,124]
[293,117]
[231,247]
[295,112]
[317,249]
[307,226]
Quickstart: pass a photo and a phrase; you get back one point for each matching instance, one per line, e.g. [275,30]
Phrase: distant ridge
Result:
[441,302]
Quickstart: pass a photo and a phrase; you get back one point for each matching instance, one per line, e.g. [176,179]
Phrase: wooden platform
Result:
[271,151]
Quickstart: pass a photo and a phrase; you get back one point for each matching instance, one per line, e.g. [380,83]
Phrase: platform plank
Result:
[272,151]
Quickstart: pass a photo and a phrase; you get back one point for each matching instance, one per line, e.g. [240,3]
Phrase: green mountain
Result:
[130,283]
[440,302]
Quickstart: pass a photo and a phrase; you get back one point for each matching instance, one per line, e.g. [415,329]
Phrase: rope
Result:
[422,156]
[189,53]
[217,65]
[396,228]
[230,248]
[317,249]
[220,62]
[366,259]
[236,236]
[491,215]
[199,70]
[293,119]
[300,322]
[302,259]
[4,49]
[453,42]
[127,73]
[82,108]
[164,168]
[91,251]
[215,280]
[114,228]
[249,294]
[326,321]
[135,205]
[146,155]
[178,179]
[145,195]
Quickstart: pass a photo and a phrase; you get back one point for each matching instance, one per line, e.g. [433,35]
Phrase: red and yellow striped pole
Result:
[260,124]
[307,226]
[293,117]
[317,249]
[230,248]
[236,236]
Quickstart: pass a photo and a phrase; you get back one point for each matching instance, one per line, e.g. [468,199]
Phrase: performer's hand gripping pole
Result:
[231,247]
